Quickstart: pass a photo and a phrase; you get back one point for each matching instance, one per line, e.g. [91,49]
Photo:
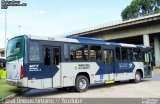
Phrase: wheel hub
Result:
[82,84]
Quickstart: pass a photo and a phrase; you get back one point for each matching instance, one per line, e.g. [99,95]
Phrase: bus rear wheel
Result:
[81,84]
[137,77]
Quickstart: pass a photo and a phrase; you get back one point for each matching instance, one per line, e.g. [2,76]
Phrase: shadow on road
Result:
[47,92]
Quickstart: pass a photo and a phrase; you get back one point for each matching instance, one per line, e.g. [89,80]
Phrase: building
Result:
[2,52]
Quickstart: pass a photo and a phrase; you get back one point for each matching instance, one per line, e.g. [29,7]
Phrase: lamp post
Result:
[4,5]
[5,29]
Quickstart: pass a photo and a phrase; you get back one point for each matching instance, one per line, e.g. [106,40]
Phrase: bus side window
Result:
[56,56]
[118,54]
[130,53]
[78,52]
[47,54]
[126,54]
[66,52]
[137,54]
[34,51]
[108,56]
[146,58]
[85,53]
[95,53]
[75,52]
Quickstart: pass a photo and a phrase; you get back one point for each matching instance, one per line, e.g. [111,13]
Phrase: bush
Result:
[2,73]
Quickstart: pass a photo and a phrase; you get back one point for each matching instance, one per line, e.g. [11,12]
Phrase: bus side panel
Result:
[138,65]
[40,83]
[70,71]
[41,76]
[127,70]
[36,83]
[13,69]
[56,80]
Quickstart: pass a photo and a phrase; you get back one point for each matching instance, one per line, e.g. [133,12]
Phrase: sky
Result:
[54,17]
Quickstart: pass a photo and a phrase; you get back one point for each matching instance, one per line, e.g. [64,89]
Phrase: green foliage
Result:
[139,8]
[6,90]
[2,73]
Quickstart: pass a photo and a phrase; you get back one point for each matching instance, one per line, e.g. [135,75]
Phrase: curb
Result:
[14,95]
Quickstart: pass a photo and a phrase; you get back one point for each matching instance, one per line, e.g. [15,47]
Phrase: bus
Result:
[74,62]
[2,67]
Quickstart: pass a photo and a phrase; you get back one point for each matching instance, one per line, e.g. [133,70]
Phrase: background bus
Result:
[74,62]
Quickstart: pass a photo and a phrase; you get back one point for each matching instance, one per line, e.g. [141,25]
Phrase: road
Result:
[149,88]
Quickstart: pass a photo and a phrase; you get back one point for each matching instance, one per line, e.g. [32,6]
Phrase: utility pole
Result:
[4,5]
[5,29]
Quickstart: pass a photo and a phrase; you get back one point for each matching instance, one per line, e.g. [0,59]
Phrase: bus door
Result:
[109,63]
[147,63]
[52,59]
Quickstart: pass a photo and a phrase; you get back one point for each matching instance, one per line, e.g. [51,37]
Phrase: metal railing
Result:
[100,26]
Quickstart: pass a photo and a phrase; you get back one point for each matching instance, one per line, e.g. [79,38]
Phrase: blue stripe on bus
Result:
[92,40]
[126,66]
[105,68]
[101,68]
[99,41]
[117,67]
[43,71]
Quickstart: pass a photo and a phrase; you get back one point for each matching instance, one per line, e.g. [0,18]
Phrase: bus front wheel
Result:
[137,77]
[81,84]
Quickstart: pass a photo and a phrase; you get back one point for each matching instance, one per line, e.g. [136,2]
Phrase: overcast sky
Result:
[53,17]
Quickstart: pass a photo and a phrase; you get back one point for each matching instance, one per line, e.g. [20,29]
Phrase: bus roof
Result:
[76,39]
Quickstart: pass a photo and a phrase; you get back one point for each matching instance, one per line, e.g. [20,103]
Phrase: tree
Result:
[139,8]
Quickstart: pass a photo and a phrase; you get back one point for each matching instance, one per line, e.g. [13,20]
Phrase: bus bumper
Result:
[14,82]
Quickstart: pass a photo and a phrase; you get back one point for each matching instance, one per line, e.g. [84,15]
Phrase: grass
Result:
[6,90]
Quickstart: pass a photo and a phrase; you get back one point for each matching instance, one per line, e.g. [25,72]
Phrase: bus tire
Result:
[137,77]
[81,84]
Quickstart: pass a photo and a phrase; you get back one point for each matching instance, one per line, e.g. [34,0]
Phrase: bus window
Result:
[66,52]
[146,58]
[34,52]
[56,56]
[18,45]
[118,54]
[15,48]
[78,52]
[126,54]
[136,54]
[47,54]
[108,56]
[85,54]
[130,53]
[95,53]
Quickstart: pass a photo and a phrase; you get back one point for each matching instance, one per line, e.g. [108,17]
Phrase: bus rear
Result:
[15,59]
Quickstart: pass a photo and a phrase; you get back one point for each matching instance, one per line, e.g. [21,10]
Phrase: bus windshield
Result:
[15,49]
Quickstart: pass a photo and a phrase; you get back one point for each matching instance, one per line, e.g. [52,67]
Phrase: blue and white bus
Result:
[74,62]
